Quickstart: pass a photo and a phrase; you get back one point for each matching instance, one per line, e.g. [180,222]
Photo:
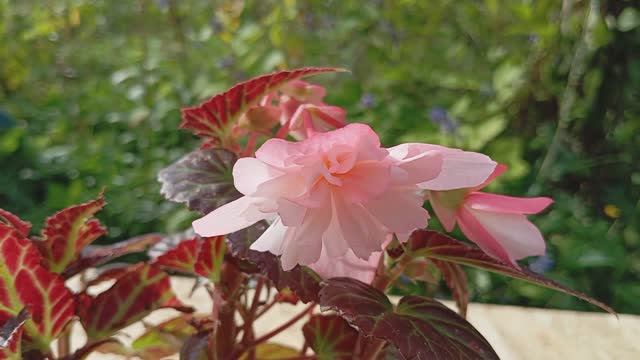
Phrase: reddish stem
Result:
[266,308]
[275,331]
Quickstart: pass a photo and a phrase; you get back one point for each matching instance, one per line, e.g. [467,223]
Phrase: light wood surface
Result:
[515,332]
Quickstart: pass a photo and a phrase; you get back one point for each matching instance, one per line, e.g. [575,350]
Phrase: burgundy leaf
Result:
[456,280]
[435,245]
[214,118]
[330,337]
[301,279]
[141,290]
[202,179]
[68,231]
[25,283]
[421,328]
[23,227]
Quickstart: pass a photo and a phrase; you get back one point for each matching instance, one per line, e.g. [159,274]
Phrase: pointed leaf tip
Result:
[434,245]
[68,231]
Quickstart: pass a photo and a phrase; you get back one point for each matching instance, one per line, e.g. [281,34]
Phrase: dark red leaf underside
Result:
[330,337]
[435,245]
[421,328]
[456,280]
[94,255]
[23,227]
[68,231]
[301,280]
[25,283]
[141,290]
[213,118]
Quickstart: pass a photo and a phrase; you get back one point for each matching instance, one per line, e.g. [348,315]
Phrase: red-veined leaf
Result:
[202,179]
[421,328]
[24,282]
[435,245]
[210,257]
[456,280]
[183,257]
[11,335]
[68,231]
[201,256]
[330,336]
[301,279]
[96,255]
[214,118]
[23,227]
[141,290]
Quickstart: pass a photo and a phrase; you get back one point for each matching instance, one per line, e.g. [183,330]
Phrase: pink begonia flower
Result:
[303,112]
[497,223]
[336,193]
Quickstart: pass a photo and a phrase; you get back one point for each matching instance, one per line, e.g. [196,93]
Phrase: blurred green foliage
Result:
[90,92]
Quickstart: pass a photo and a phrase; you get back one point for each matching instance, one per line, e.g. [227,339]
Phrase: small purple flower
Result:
[368,101]
[6,122]
[440,117]
[542,264]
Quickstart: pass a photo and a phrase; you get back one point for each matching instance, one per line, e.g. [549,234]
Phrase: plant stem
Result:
[64,342]
[248,335]
[266,308]
[275,331]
